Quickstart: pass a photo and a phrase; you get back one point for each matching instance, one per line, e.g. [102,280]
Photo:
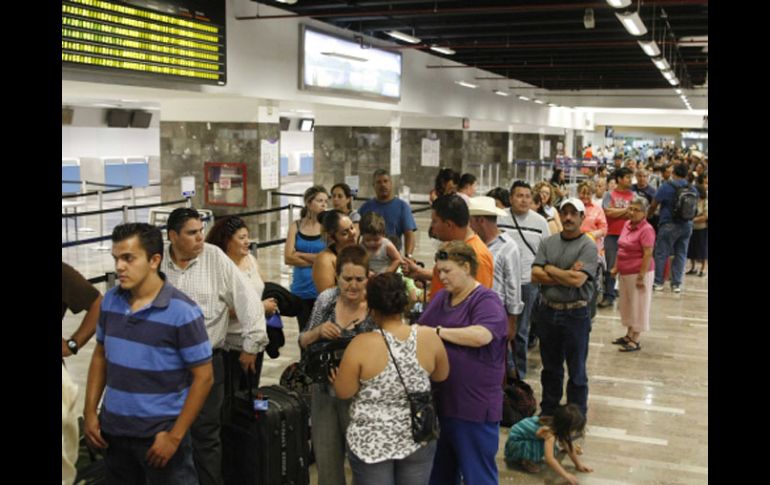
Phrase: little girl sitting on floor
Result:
[533,440]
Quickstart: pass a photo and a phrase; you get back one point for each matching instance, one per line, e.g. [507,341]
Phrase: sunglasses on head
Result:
[444,255]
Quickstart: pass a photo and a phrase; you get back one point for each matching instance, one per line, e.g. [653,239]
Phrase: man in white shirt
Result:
[505,252]
[528,229]
[211,279]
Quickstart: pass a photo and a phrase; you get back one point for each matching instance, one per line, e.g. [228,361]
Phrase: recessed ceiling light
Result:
[523,98]
[287,2]
[619,3]
[500,93]
[553,105]
[539,101]
[401,36]
[467,85]
[678,91]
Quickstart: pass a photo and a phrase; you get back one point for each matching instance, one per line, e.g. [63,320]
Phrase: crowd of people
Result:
[187,322]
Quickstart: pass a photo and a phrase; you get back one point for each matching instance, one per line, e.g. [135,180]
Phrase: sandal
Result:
[701,273]
[630,346]
[621,341]
[692,271]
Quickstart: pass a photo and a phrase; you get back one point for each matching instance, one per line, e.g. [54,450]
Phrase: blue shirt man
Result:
[673,235]
[397,213]
[152,362]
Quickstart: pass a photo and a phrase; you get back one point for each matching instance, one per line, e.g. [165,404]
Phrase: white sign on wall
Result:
[395,151]
[430,153]
[269,166]
[188,186]
[354,182]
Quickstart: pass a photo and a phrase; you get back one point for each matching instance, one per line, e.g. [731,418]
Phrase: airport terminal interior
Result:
[252,131]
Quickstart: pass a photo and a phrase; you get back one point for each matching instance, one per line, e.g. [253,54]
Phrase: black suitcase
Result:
[266,447]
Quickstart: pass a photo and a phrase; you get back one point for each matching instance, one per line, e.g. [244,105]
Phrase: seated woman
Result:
[231,235]
[338,312]
[472,322]
[340,232]
[379,436]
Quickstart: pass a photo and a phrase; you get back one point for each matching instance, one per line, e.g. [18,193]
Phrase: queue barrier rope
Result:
[126,207]
[96,192]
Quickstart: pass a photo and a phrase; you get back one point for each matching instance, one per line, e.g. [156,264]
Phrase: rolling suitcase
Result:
[266,447]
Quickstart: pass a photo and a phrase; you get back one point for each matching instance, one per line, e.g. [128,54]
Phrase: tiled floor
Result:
[648,410]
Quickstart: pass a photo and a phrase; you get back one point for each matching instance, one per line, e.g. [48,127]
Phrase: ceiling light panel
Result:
[467,85]
[619,3]
[442,50]
[650,48]
[661,64]
[632,22]
[405,37]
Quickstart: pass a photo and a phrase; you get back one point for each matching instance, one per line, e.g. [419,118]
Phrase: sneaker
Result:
[676,289]
[657,287]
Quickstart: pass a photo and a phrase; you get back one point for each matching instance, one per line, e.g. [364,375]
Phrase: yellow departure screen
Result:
[180,39]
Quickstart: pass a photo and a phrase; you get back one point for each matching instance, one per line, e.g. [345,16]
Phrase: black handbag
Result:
[421,408]
[321,357]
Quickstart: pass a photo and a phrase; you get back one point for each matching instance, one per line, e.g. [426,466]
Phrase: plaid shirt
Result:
[215,283]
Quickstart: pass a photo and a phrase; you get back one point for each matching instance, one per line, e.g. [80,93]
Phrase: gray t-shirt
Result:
[563,253]
[534,228]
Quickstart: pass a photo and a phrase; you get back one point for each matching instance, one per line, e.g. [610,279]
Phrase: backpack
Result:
[685,205]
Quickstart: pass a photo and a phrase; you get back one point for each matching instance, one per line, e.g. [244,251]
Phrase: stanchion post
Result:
[133,200]
[269,217]
[83,188]
[188,204]
[125,214]
[100,196]
[291,215]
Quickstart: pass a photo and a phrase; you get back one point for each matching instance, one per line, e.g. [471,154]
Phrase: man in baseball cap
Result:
[565,266]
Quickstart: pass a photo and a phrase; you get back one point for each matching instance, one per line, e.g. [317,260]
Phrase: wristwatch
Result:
[73,346]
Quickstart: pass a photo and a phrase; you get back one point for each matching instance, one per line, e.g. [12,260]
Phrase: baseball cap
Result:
[576,203]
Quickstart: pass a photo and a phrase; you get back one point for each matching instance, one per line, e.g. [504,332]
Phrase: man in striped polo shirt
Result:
[152,362]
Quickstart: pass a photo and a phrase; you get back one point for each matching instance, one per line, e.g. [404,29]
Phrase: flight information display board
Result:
[181,40]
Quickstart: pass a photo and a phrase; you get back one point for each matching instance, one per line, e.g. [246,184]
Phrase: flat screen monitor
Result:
[141,119]
[336,65]
[179,40]
[118,118]
[306,124]
[285,123]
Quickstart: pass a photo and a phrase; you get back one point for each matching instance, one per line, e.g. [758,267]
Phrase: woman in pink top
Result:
[595,222]
[636,267]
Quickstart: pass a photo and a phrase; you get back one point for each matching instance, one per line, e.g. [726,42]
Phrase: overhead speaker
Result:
[141,119]
[118,118]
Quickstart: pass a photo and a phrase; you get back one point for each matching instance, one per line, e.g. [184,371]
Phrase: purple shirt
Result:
[473,391]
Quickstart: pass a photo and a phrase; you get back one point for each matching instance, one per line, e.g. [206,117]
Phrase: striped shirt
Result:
[216,284]
[534,228]
[148,355]
[507,283]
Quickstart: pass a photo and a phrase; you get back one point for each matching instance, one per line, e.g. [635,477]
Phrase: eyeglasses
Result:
[634,209]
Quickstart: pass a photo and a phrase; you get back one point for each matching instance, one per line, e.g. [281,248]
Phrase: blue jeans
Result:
[126,462]
[610,253]
[466,448]
[673,238]
[330,417]
[564,337]
[411,470]
[529,292]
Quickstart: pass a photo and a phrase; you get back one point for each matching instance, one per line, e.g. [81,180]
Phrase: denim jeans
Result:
[411,470]
[564,337]
[466,449]
[329,417]
[529,292]
[126,462]
[205,430]
[610,253]
[673,237]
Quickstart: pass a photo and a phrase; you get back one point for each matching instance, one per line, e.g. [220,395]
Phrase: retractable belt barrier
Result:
[124,207]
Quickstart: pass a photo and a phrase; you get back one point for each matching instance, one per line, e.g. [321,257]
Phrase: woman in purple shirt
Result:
[472,322]
[637,272]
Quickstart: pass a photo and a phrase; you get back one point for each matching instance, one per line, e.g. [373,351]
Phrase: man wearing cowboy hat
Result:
[505,253]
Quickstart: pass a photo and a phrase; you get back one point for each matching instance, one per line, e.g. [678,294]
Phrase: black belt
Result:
[218,351]
[569,305]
